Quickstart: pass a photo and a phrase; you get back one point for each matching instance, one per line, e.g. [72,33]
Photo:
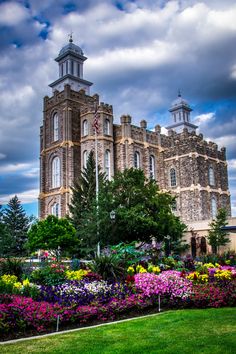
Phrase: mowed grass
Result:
[210,331]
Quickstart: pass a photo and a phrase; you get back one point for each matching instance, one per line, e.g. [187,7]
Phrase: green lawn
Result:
[210,331]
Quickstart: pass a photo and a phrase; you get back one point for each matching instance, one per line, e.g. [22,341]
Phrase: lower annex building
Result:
[182,162]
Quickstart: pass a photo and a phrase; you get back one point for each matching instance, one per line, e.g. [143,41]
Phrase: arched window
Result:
[136,159]
[56,209]
[173,181]
[85,127]
[152,167]
[213,208]
[108,164]
[107,127]
[211,176]
[56,175]
[85,158]
[55,127]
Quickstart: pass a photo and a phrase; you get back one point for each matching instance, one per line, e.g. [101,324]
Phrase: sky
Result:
[140,53]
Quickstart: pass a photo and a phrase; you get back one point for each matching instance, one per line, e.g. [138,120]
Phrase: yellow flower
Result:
[140,269]
[26,282]
[76,274]
[130,270]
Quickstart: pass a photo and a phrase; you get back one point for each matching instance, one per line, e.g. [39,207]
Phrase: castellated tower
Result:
[182,162]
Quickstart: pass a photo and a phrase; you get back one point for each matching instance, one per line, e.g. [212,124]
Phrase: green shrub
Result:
[108,266]
[12,266]
[50,274]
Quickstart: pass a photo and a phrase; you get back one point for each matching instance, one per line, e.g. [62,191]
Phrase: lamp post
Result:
[113,218]
[168,245]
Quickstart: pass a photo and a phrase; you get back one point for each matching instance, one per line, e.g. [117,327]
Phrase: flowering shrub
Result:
[19,314]
[75,274]
[51,274]
[140,269]
[198,278]
[168,283]
[213,295]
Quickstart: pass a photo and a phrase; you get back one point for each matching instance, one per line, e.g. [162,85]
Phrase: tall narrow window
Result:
[55,127]
[152,167]
[85,127]
[203,245]
[56,175]
[213,208]
[211,176]
[56,209]
[108,164]
[107,127]
[173,181]
[85,158]
[193,246]
[136,159]
[174,205]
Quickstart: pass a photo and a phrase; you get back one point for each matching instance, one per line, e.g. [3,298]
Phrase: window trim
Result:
[152,166]
[85,127]
[211,175]
[107,164]
[55,127]
[56,172]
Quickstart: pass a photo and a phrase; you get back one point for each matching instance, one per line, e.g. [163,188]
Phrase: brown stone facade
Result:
[186,155]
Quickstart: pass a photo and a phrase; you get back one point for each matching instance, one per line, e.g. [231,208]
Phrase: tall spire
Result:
[179,93]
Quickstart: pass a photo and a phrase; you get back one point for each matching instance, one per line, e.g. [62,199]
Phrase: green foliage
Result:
[108,266]
[17,224]
[12,266]
[56,234]
[84,191]
[217,236]
[128,253]
[142,211]
[7,241]
[49,274]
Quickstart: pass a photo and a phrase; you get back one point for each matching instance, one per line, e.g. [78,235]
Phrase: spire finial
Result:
[70,37]
[179,93]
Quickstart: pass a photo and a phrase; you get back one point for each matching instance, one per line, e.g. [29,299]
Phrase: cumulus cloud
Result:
[12,13]
[139,54]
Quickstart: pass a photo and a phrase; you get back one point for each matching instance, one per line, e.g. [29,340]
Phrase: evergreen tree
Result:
[84,191]
[217,236]
[17,224]
[141,213]
[6,241]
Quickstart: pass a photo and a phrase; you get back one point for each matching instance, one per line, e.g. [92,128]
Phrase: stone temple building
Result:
[182,162]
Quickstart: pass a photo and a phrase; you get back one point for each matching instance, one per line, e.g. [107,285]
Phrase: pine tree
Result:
[17,224]
[84,191]
[6,241]
[217,236]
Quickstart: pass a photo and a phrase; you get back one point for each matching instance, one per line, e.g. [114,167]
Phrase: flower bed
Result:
[88,298]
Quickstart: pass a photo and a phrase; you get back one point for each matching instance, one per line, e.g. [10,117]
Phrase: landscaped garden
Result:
[117,256]
[53,296]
